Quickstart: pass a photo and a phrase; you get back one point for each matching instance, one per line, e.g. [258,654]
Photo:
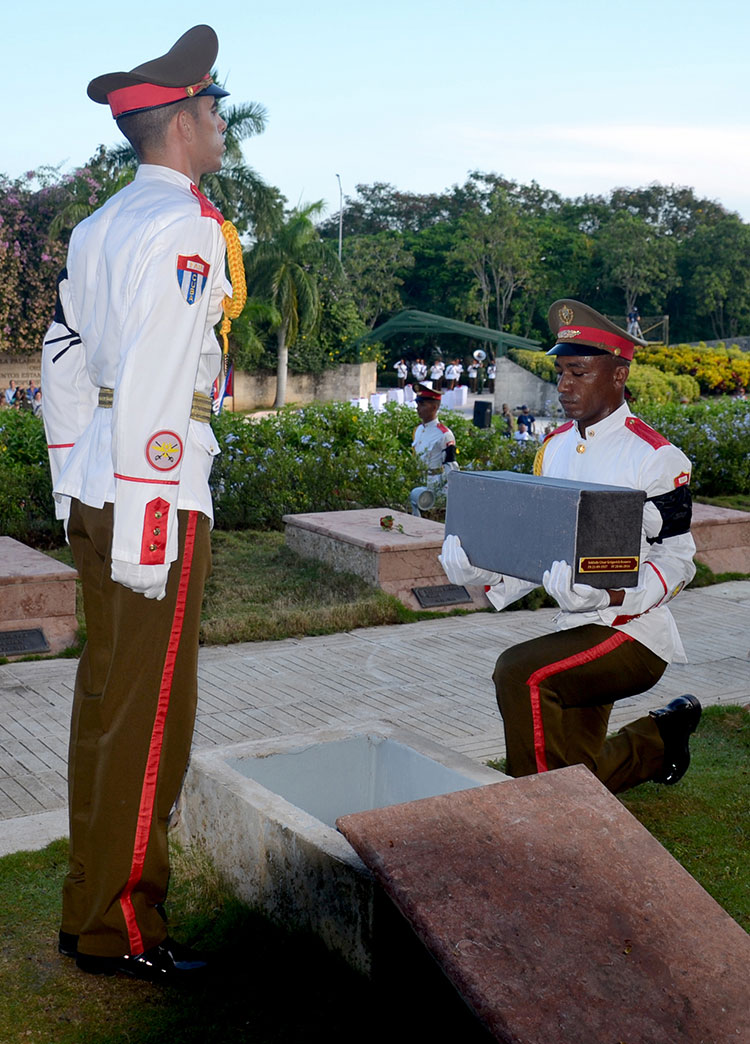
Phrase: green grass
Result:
[704,820]
[738,501]
[267,985]
[260,591]
[279,987]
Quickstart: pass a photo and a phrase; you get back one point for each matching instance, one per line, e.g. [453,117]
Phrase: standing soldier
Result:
[402,372]
[128,368]
[437,369]
[491,373]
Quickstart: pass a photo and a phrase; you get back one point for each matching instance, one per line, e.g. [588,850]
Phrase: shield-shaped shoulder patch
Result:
[192,275]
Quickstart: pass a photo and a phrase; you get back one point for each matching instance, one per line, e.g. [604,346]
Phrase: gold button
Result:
[590,434]
[617,351]
[157,514]
[157,531]
[152,547]
[580,448]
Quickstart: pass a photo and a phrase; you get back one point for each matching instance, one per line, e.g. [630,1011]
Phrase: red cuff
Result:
[154,537]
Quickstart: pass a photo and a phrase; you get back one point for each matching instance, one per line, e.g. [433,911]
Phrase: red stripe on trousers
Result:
[148,793]
[534,680]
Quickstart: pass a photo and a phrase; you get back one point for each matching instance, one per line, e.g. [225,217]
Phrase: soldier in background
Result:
[433,442]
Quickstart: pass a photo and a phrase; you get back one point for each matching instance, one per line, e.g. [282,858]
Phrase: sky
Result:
[582,96]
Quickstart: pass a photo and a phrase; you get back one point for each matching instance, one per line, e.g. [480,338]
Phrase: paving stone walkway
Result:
[433,677]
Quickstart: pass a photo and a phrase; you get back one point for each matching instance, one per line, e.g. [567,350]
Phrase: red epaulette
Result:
[442,427]
[563,427]
[646,432]
[207,208]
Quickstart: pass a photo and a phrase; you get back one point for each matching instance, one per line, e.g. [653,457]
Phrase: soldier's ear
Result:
[621,374]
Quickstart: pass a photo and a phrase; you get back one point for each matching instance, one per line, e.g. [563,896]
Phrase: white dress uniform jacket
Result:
[622,450]
[435,445]
[144,289]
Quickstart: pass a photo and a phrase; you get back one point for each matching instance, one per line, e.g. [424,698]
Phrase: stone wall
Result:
[251,391]
[518,387]
[254,391]
[20,368]
[726,342]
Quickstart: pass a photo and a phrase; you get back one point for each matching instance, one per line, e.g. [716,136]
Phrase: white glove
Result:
[148,580]
[459,569]
[573,598]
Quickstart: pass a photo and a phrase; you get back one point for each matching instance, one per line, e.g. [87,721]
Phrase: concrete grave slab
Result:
[558,917]
[265,810]
[397,560]
[37,592]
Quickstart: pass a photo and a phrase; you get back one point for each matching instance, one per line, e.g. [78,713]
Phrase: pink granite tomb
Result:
[558,917]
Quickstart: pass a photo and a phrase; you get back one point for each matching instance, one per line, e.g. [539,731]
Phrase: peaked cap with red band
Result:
[581,330]
[423,392]
[183,72]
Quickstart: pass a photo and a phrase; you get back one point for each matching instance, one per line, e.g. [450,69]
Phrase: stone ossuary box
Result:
[520,524]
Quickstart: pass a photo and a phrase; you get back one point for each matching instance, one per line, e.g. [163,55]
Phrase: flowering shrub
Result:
[717,370]
[29,264]
[332,457]
[648,380]
[26,506]
[716,437]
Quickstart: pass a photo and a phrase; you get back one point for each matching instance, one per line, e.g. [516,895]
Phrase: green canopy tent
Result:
[411,322]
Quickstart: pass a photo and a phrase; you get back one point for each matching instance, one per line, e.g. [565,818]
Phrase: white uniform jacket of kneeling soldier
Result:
[128,368]
[556,693]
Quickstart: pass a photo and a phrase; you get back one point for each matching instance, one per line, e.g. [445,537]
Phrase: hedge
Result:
[647,383]
[334,456]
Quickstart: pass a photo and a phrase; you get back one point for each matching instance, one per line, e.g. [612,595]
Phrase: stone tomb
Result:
[558,917]
[722,538]
[36,594]
[397,560]
[265,810]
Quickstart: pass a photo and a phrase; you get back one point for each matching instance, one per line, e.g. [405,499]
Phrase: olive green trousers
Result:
[555,694]
[131,730]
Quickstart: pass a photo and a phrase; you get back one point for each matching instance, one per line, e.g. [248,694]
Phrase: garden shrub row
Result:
[648,382]
[335,456]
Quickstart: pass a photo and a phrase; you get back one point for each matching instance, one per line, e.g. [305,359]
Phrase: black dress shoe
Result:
[168,963]
[67,944]
[676,723]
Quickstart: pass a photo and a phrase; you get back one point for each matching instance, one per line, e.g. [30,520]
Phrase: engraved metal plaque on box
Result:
[520,524]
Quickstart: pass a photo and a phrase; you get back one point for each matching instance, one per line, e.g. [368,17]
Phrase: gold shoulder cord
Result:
[232,305]
[539,458]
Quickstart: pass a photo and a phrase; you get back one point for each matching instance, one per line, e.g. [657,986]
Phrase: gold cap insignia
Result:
[566,314]
[563,335]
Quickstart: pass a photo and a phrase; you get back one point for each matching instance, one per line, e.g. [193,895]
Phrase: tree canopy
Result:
[499,252]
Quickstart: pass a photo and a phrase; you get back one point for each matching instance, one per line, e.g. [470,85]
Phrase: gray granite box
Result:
[520,524]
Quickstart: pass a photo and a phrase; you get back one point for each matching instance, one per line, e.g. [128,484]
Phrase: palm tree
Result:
[281,269]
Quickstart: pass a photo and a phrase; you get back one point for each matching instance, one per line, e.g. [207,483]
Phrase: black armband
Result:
[676,510]
[450,454]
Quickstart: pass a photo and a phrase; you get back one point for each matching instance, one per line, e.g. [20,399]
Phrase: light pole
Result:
[341,215]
